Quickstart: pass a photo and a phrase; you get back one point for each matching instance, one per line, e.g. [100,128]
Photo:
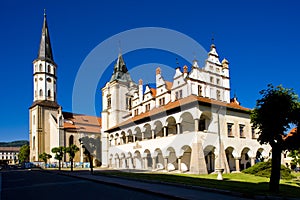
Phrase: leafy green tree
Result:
[273,115]
[24,153]
[71,150]
[295,154]
[44,157]
[59,154]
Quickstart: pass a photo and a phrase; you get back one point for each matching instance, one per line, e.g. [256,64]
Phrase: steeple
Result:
[120,71]
[45,50]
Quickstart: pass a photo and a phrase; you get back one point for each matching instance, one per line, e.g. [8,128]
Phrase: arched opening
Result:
[49,68]
[186,159]
[172,159]
[259,156]
[147,133]
[158,129]
[230,158]
[148,159]
[138,134]
[40,67]
[187,123]
[71,140]
[49,93]
[245,159]
[41,92]
[117,139]
[137,160]
[33,143]
[204,121]
[123,161]
[123,138]
[171,126]
[130,136]
[159,159]
[210,158]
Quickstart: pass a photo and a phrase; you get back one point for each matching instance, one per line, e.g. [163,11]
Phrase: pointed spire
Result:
[120,70]
[45,50]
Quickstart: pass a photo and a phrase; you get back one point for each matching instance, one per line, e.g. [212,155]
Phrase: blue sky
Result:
[259,38]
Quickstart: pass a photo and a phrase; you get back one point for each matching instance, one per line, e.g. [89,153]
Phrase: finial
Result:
[45,12]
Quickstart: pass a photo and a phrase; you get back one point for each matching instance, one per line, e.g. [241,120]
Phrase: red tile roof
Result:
[82,123]
[178,103]
[153,91]
[169,85]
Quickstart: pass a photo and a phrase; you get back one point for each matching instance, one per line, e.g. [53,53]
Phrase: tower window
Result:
[35,93]
[48,80]
[54,71]
[41,67]
[128,103]
[200,90]
[41,92]
[33,142]
[49,68]
[109,102]
[49,93]
[33,120]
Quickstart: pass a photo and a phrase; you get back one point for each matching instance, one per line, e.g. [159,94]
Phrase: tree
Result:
[24,153]
[71,150]
[273,115]
[59,154]
[295,154]
[44,157]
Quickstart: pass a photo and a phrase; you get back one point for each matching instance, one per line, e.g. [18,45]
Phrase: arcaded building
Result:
[188,124]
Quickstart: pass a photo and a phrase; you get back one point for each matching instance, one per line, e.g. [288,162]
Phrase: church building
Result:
[49,126]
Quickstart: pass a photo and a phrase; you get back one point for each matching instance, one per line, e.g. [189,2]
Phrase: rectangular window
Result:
[162,101]
[212,79]
[253,133]
[147,107]
[180,94]
[229,130]
[218,81]
[128,103]
[218,95]
[242,132]
[200,90]
[136,112]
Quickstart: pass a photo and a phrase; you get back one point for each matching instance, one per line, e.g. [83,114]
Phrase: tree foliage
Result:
[59,154]
[295,154]
[24,153]
[44,157]
[71,150]
[274,113]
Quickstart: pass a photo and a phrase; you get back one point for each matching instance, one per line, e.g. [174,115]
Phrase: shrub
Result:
[264,169]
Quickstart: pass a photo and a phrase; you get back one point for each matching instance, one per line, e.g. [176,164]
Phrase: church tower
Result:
[44,110]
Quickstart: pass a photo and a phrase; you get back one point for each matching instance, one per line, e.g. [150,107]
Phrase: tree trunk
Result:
[59,163]
[71,164]
[275,173]
[91,164]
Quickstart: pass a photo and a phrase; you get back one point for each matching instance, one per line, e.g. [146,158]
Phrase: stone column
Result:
[252,161]
[153,133]
[165,131]
[166,163]
[196,125]
[179,164]
[126,139]
[178,128]
[133,136]
[153,163]
[145,163]
[237,164]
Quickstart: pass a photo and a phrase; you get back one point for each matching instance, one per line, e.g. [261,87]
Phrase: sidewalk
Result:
[174,191]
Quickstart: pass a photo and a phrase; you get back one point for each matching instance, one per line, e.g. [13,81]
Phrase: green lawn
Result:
[237,182]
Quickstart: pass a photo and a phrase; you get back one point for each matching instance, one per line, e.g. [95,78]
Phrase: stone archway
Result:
[137,160]
[210,157]
[185,160]
[187,122]
[230,158]
[147,159]
[245,161]
[172,163]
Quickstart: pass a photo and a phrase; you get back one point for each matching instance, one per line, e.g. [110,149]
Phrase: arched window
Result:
[71,140]
[49,93]
[33,119]
[49,69]
[218,95]
[54,71]
[41,68]
[41,92]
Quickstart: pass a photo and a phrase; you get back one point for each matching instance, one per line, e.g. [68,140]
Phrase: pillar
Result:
[153,163]
[179,164]
[196,125]
[153,133]
[126,139]
[143,136]
[237,164]
[165,131]
[166,163]
[145,163]
[133,136]
[178,128]
[252,161]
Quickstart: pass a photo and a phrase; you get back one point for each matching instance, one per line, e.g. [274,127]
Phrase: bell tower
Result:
[43,113]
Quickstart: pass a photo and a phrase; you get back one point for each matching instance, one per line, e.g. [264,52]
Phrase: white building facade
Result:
[188,125]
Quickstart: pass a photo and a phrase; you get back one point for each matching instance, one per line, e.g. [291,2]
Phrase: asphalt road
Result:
[25,184]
